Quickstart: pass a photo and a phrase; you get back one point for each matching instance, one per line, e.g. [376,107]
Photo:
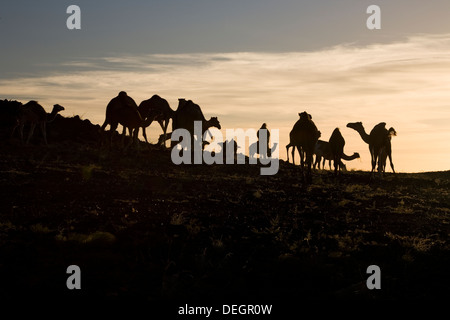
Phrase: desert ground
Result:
[140,227]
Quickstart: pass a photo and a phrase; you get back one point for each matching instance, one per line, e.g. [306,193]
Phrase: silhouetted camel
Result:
[156,108]
[379,141]
[304,136]
[186,114]
[323,151]
[291,145]
[123,109]
[337,143]
[33,113]
[264,127]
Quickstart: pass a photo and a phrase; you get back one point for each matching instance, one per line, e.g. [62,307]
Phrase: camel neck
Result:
[364,135]
[51,116]
[348,158]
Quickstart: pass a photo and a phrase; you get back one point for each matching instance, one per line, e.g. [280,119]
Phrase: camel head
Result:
[356,155]
[392,132]
[214,122]
[355,125]
[57,108]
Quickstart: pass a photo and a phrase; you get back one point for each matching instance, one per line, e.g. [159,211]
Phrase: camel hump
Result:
[336,131]
[126,100]
[122,106]
[158,100]
[381,127]
[336,134]
[36,108]
[336,140]
[181,103]
[191,111]
[155,106]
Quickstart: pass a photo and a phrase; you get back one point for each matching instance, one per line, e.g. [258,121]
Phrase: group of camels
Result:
[124,110]
[304,135]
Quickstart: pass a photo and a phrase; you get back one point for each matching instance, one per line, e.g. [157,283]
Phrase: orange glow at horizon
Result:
[405,84]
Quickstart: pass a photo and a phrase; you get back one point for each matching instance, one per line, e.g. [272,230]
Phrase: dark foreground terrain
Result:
[142,228]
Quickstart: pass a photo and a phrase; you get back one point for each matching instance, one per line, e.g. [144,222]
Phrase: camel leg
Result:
[390,161]
[104,125]
[342,166]
[287,152]
[14,129]
[293,153]
[336,165]
[392,165]
[374,157]
[166,124]
[302,160]
[133,132]
[136,138]
[318,161]
[112,129]
[30,134]
[21,132]
[133,138]
[167,136]
[102,132]
[144,134]
[308,160]
[388,153]
[44,132]
[124,134]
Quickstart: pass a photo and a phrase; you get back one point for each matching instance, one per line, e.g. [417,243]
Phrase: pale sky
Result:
[246,62]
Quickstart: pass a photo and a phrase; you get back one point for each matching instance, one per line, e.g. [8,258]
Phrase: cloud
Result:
[406,84]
